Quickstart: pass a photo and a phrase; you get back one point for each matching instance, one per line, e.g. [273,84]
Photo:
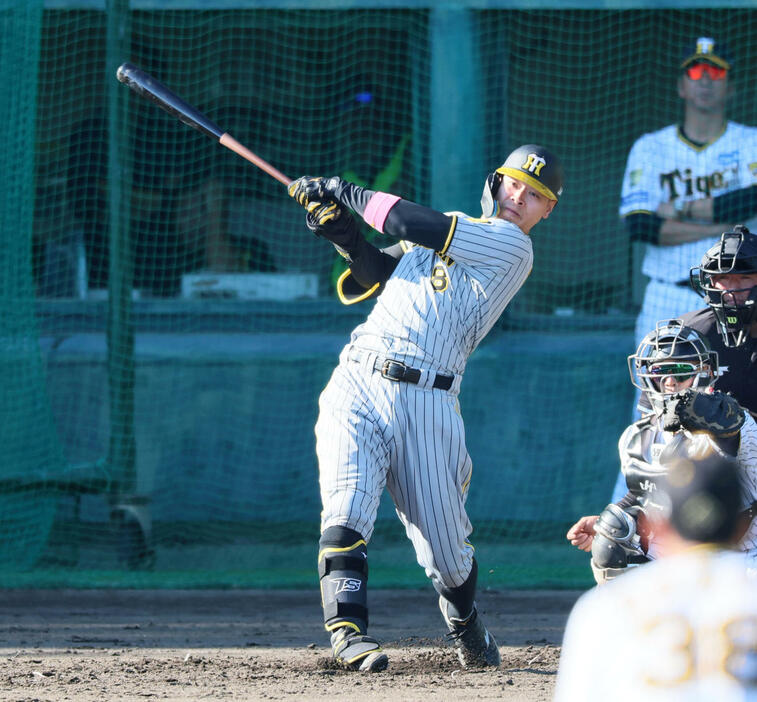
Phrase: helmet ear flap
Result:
[489,205]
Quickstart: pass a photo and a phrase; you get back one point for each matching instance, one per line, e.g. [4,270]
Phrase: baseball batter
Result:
[389,415]
[683,627]
[670,360]
[687,183]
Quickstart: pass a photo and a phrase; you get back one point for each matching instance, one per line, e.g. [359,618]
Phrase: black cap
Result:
[706,49]
[700,490]
[537,166]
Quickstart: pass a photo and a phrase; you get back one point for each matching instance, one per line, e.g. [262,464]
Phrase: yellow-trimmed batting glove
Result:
[307,191]
[320,214]
[331,222]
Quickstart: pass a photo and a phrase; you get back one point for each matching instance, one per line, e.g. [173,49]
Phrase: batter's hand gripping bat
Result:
[145,85]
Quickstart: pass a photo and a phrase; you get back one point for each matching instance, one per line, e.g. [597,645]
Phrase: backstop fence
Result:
[168,321]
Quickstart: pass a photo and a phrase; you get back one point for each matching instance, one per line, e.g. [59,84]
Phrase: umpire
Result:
[727,279]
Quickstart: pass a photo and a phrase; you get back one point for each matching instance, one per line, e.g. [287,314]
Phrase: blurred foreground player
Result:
[685,626]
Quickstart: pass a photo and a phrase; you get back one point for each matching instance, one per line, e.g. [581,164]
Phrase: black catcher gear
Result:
[671,349]
[615,538]
[736,252]
[715,413]
[616,543]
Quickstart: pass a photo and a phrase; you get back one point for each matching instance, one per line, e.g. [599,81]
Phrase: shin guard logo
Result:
[346,584]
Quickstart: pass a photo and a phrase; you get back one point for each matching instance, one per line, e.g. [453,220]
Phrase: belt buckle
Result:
[394,375]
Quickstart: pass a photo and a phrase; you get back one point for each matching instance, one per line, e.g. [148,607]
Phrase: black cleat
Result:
[357,651]
[476,647]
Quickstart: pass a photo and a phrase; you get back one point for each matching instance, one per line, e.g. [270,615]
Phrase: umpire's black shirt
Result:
[738,366]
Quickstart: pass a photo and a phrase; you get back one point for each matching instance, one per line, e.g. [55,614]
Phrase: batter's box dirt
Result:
[96,645]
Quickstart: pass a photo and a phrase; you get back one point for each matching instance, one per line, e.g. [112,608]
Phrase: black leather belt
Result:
[400,373]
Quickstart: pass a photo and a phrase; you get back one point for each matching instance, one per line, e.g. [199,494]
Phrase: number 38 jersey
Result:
[664,166]
[456,296]
[683,628]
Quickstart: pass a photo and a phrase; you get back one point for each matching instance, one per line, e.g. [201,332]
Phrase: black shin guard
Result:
[343,572]
[460,598]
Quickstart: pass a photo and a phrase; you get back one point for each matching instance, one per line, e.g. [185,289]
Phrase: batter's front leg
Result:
[351,483]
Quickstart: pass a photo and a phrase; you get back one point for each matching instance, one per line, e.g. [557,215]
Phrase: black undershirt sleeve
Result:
[644,226]
[370,265]
[406,220]
[735,206]
[419,224]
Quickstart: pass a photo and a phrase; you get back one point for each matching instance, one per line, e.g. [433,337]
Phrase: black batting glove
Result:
[320,214]
[308,190]
[333,223]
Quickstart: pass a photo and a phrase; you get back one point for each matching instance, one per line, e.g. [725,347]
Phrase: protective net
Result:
[168,321]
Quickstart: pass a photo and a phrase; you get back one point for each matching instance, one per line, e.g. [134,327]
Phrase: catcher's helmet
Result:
[531,163]
[736,252]
[671,349]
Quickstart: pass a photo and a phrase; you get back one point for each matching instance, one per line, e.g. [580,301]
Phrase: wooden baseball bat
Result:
[148,87]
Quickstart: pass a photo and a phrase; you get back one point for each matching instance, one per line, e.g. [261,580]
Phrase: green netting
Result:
[168,322]
[27,430]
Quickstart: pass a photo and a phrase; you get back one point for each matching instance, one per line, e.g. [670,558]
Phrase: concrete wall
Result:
[224,421]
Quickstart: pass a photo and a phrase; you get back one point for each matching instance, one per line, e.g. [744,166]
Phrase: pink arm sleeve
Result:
[378,208]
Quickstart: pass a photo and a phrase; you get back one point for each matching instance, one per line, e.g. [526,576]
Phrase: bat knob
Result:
[123,71]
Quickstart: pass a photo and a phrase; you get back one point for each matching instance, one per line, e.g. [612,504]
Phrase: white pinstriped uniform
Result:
[373,432]
[746,457]
[681,628]
[664,166]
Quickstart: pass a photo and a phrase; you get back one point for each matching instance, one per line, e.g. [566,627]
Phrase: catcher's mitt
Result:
[716,413]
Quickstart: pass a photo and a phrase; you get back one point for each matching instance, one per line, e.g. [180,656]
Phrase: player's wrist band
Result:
[377,209]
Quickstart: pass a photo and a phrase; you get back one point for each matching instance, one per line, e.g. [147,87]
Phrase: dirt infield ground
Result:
[261,645]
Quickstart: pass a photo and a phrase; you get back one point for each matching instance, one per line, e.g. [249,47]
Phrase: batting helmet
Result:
[671,349]
[530,163]
[736,252]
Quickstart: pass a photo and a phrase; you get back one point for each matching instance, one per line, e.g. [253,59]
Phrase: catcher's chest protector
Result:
[641,455]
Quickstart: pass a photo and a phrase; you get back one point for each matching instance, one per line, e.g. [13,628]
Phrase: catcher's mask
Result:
[530,163]
[736,252]
[672,349]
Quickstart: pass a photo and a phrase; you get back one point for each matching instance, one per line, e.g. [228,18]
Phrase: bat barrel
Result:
[145,85]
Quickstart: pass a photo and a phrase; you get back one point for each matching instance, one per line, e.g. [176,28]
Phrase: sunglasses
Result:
[680,371]
[697,70]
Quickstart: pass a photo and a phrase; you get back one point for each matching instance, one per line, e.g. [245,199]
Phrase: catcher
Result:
[675,368]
